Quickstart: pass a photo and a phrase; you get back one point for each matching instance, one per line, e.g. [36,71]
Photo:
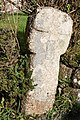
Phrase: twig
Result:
[72,11]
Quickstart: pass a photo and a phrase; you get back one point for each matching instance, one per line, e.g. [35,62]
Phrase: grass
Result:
[15,79]
[14,19]
[17,23]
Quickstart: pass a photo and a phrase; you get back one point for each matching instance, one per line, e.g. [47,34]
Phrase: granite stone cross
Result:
[49,39]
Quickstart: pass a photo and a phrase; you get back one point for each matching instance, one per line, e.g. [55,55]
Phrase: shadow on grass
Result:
[74,114]
[22,42]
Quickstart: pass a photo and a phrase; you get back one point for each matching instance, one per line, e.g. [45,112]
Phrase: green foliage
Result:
[18,20]
[21,32]
[65,99]
[68,8]
[15,81]
[8,113]
[17,23]
[64,102]
[15,78]
[64,83]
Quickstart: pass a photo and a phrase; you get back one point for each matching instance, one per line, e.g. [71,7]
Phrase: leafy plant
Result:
[14,84]
[65,99]
[68,8]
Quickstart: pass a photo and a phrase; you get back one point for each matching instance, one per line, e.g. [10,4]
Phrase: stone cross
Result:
[49,39]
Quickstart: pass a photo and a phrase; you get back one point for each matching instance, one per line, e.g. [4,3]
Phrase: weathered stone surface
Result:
[49,39]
